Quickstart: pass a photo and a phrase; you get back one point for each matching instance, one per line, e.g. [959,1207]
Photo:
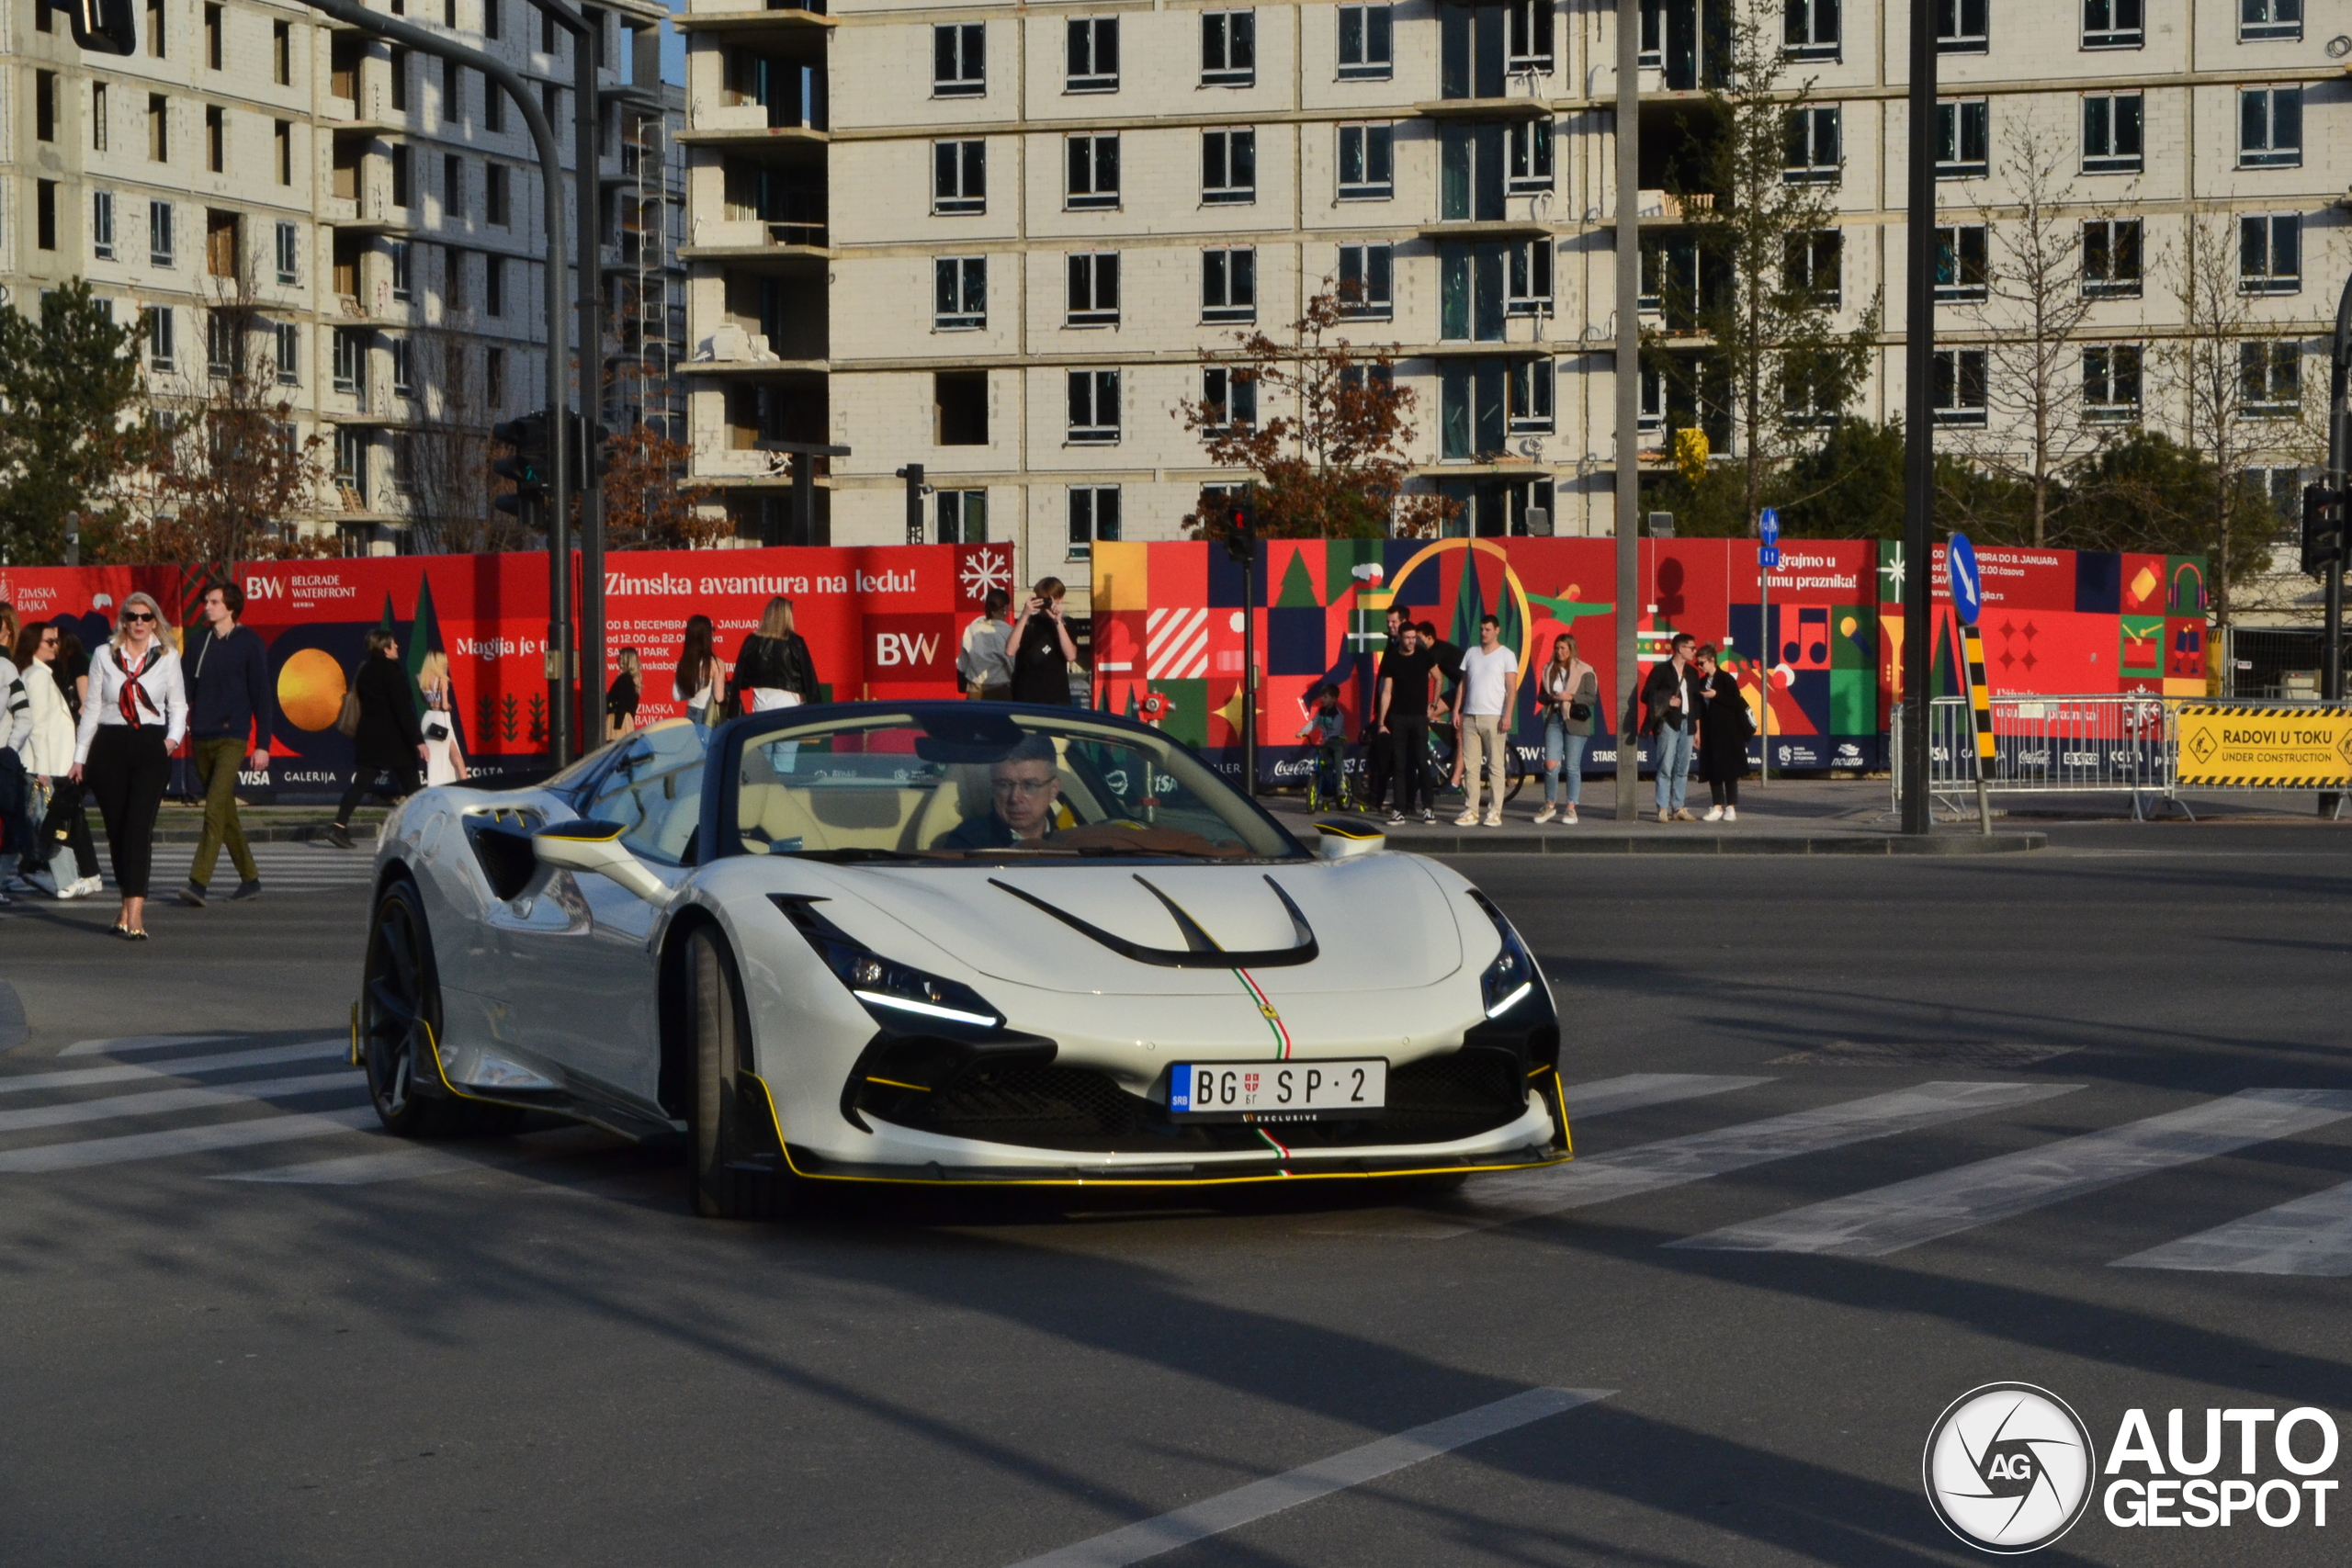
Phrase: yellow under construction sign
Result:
[2264,748]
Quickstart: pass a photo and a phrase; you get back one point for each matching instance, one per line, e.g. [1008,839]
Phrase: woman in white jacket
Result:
[132,722]
[48,753]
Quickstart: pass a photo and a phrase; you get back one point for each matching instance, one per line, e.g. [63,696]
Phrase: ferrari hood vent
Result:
[1200,951]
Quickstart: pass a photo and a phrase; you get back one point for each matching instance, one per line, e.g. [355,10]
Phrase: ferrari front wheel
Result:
[399,1013]
[723,1184]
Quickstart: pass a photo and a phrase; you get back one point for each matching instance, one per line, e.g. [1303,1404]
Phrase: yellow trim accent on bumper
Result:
[893,1083]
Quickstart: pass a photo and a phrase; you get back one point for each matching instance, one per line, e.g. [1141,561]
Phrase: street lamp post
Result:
[1918,436]
[1629,403]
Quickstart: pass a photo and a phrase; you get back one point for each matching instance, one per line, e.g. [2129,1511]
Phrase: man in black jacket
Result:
[1670,718]
[231,713]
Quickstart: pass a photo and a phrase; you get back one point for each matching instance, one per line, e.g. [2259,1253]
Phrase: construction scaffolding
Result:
[647,316]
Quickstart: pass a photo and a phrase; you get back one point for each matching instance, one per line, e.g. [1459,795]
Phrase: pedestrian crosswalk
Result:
[285,868]
[292,1113]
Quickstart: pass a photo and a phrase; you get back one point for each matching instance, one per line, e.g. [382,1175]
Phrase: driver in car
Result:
[1025,798]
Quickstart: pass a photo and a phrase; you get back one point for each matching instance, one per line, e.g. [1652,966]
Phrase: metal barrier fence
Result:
[2085,745]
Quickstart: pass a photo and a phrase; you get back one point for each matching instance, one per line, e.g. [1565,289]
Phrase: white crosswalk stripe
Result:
[292,867]
[2310,1236]
[156,1101]
[1672,1161]
[1889,1219]
[177,1068]
[1636,1090]
[184,1140]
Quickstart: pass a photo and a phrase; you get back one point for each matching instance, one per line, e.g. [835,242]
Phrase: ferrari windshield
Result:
[972,781]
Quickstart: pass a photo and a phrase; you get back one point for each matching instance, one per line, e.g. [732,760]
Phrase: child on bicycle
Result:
[1329,727]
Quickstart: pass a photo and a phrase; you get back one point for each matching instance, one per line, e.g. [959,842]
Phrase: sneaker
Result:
[1429,818]
[1683,814]
[339,836]
[1568,814]
[1493,820]
[193,895]
[1467,819]
[1714,814]
[1731,812]
[88,887]
[1394,818]
[246,890]
[1548,812]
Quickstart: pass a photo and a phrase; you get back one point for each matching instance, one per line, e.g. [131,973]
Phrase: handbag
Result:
[346,717]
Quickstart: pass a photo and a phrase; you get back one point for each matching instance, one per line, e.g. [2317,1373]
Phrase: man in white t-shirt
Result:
[1480,704]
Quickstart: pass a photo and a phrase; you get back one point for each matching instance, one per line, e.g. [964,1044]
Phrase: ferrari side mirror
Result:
[1344,838]
[584,845]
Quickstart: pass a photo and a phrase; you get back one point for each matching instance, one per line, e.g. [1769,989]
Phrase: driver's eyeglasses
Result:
[1020,786]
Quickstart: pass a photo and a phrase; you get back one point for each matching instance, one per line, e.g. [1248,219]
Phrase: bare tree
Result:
[445,460]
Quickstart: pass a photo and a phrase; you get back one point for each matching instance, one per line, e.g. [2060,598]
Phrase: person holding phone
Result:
[1043,649]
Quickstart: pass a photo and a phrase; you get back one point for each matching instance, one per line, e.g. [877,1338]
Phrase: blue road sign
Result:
[1768,526]
[1967,587]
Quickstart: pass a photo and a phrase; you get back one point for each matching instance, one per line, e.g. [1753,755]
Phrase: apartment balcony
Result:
[757,244]
[756,21]
[1513,107]
[1465,230]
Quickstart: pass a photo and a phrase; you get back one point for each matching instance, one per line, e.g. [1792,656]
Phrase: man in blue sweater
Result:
[231,713]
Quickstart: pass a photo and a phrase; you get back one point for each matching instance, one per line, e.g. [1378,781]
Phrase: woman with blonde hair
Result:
[135,717]
[1567,694]
[445,762]
[774,670]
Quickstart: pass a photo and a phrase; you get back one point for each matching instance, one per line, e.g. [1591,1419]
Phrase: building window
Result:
[453,186]
[959,176]
[494,284]
[1816,265]
[1366,52]
[281,52]
[99,137]
[1482,402]
[959,293]
[2270,127]
[494,106]
[2113,132]
[2269,21]
[1228,49]
[494,377]
[1963,139]
[283,138]
[1811,30]
[1364,282]
[157,45]
[2111,250]
[160,248]
[1093,290]
[286,352]
[1471,292]
[351,463]
[1528,35]
[219,344]
[1671,275]
[1230,399]
[1960,263]
[2269,380]
[1813,156]
[404,284]
[1094,408]
[216,139]
[2112,383]
[959,59]
[1229,285]
[1470,171]
[45,214]
[1530,156]
[959,408]
[1960,27]
[221,247]
[1957,395]
[1367,162]
[2270,254]
[453,277]
[1094,173]
[493,194]
[1530,410]
[159,129]
[1651,419]
[404,185]
[1229,167]
[157,321]
[2112,24]
[102,224]
[401,384]
[1093,514]
[963,517]
[44,105]
[1808,394]
[396,69]
[1529,270]
[1093,64]
[350,359]
[214,45]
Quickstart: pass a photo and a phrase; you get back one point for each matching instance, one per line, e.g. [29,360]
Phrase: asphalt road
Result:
[536,1356]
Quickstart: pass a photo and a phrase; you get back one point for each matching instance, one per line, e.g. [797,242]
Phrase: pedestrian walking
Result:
[697,678]
[1670,718]
[1404,677]
[774,669]
[1568,695]
[1042,648]
[1724,724]
[389,742]
[444,759]
[231,716]
[985,662]
[134,718]
[48,755]
[621,698]
[1481,710]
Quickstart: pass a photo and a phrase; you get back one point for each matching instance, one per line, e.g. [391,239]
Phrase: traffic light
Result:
[1240,519]
[2323,528]
[527,466]
[588,460]
[916,490]
[101,26]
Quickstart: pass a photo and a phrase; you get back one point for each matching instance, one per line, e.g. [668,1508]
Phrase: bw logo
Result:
[2008,1468]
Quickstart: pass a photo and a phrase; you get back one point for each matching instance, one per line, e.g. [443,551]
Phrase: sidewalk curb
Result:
[1715,844]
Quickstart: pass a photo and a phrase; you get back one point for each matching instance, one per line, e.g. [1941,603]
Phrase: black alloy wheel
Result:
[400,1012]
[722,1185]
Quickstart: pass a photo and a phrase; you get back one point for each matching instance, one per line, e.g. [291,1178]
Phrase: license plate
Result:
[1277,1091]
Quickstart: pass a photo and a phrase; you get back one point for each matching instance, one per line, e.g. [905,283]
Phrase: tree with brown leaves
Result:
[649,503]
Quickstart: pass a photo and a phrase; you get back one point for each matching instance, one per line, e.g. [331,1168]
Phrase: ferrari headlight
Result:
[1512,977]
[897,994]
